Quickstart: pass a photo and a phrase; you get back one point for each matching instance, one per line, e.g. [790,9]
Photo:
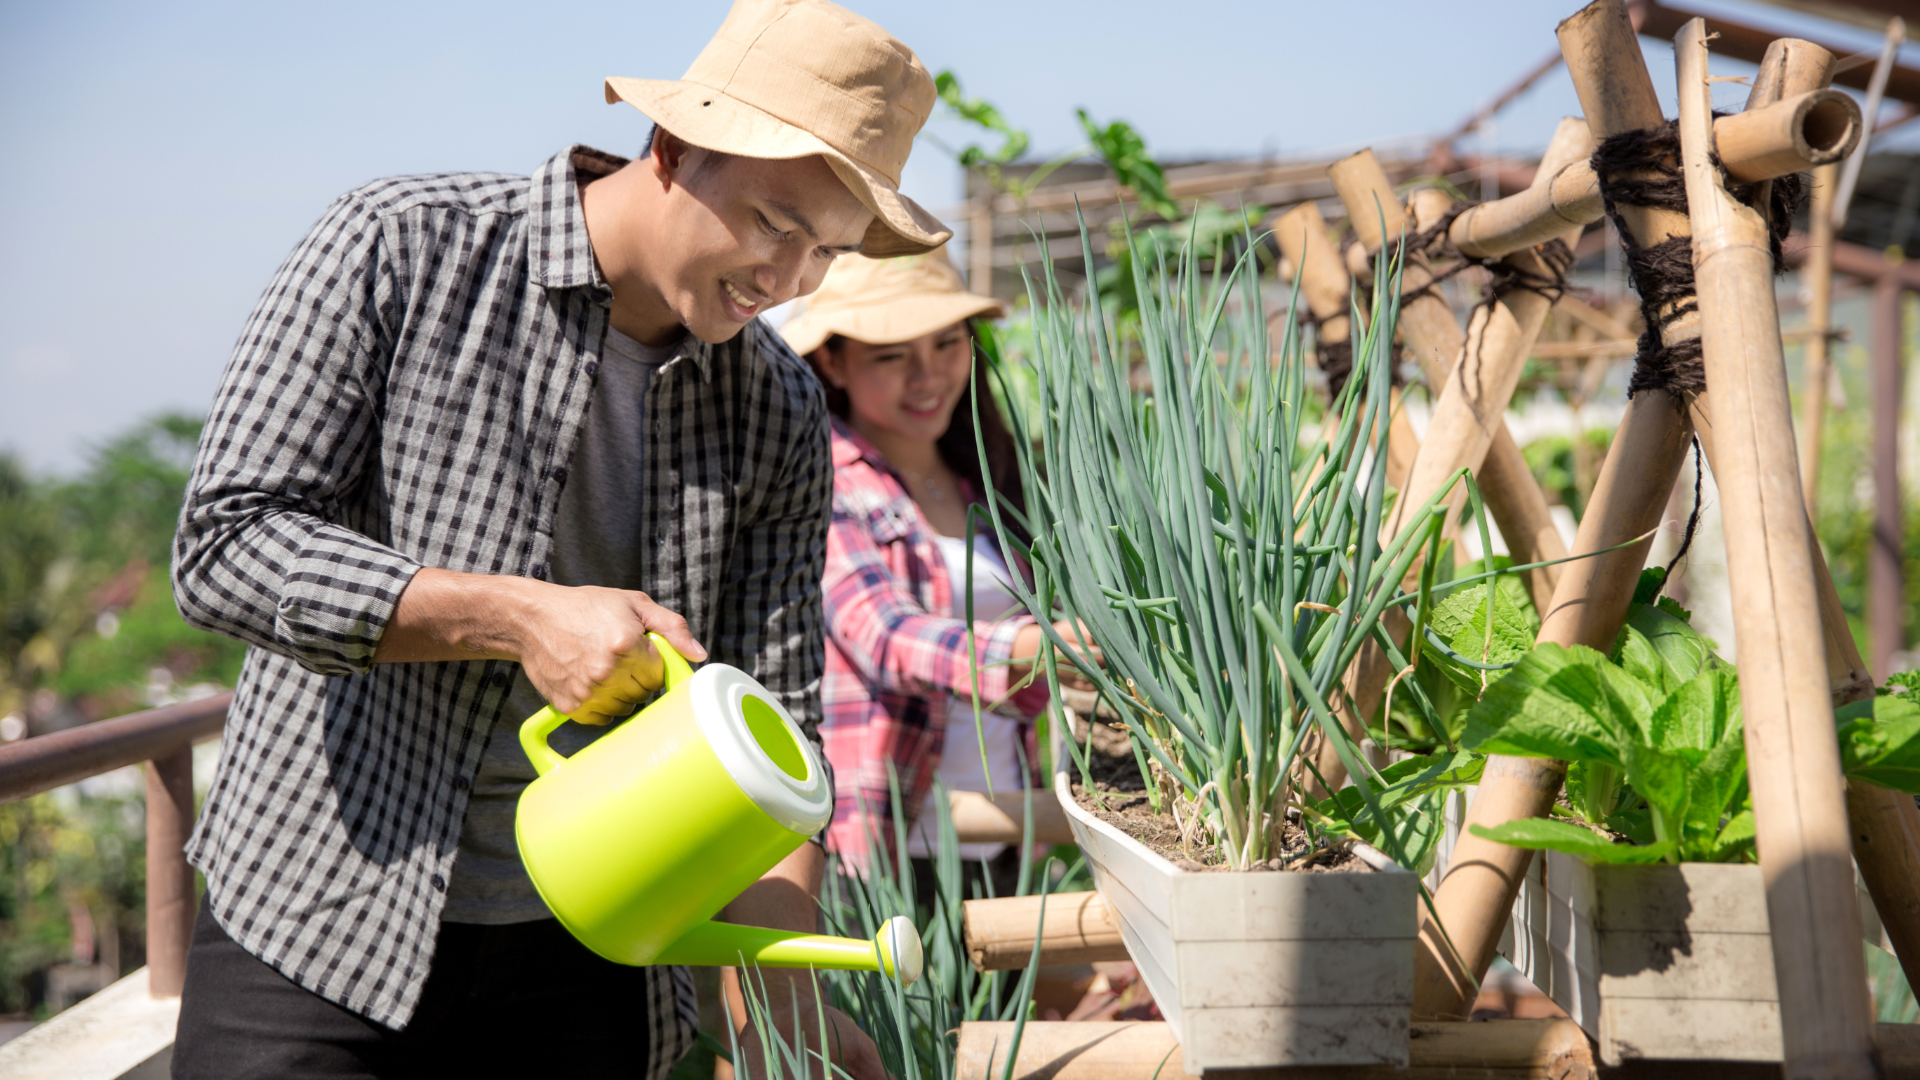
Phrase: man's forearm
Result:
[448,615]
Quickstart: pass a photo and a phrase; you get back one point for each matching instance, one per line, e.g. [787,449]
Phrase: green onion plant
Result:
[915,1028]
[1224,556]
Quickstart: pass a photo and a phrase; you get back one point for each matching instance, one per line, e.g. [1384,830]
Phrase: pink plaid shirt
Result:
[897,651]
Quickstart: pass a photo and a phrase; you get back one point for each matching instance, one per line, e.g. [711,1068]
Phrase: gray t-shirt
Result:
[594,543]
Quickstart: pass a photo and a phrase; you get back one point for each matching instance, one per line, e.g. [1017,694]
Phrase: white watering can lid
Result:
[761,747]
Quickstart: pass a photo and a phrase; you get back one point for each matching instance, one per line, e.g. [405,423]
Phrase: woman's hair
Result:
[957,447]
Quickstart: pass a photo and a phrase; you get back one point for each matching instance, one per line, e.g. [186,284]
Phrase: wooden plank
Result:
[1676,964]
[1689,1030]
[1224,974]
[1496,1050]
[1703,897]
[1281,906]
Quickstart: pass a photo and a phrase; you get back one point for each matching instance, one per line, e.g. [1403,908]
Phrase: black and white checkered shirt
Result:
[408,393]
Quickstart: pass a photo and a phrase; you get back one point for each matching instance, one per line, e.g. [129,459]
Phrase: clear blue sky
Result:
[163,158]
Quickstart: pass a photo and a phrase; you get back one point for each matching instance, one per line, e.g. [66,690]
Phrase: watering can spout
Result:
[894,951]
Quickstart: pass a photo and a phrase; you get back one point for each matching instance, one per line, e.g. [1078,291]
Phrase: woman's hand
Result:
[848,1048]
[1028,643]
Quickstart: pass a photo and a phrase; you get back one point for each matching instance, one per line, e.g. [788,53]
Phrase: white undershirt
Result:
[959,767]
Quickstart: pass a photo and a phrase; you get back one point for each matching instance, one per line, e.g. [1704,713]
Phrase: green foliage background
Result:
[71,550]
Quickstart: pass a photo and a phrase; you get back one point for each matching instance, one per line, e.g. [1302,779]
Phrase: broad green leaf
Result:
[1713,786]
[1652,580]
[1595,789]
[1545,834]
[1407,781]
[1662,779]
[1735,839]
[1659,649]
[1635,824]
[1460,620]
[1561,702]
[1880,742]
[1700,713]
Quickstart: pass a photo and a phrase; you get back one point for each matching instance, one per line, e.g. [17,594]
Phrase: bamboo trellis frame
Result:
[1646,455]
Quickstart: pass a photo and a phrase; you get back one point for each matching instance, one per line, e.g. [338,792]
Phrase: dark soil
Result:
[1119,799]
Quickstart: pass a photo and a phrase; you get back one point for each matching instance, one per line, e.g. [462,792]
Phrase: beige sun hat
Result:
[884,301]
[793,78]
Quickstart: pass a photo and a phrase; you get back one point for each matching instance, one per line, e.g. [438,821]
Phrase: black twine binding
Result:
[1662,273]
[1693,520]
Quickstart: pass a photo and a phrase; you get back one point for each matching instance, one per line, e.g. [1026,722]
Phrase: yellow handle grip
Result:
[538,727]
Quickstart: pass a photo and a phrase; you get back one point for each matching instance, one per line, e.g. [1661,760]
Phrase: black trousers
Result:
[523,1000]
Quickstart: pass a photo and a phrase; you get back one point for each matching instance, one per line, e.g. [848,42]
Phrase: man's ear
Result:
[669,156]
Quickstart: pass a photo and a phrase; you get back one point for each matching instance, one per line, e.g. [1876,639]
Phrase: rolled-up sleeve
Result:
[262,554]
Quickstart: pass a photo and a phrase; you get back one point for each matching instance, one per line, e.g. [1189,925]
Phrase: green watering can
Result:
[637,841]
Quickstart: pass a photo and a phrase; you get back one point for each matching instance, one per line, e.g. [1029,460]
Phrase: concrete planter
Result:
[1263,969]
[1664,962]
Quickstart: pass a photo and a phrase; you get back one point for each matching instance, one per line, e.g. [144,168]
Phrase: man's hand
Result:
[786,900]
[585,649]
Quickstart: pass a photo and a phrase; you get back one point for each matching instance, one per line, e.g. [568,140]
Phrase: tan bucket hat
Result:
[884,301]
[792,78]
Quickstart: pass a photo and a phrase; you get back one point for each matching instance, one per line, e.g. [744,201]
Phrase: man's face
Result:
[740,235]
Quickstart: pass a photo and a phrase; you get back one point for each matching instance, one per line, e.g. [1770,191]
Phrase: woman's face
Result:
[908,390]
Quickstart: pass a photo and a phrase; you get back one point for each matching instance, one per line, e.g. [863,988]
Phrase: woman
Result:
[891,342]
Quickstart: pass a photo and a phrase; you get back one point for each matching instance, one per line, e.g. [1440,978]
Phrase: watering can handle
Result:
[533,733]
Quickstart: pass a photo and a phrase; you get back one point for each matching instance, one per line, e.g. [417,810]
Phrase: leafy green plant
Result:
[1458,658]
[1654,741]
[1407,815]
[1117,144]
[1228,576]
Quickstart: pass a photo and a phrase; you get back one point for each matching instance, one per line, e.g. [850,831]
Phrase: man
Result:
[481,434]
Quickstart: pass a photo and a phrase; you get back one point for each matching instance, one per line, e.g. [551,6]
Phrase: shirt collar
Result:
[558,249]
[849,446]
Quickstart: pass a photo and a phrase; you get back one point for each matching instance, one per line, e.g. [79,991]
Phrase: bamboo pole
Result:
[1554,1049]
[980,244]
[1806,130]
[1884,825]
[1324,284]
[1473,405]
[1078,930]
[1793,759]
[1886,586]
[1818,274]
[1434,337]
[1816,128]
[979,819]
[1474,900]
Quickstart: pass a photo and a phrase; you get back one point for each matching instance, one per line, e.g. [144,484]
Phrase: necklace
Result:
[934,491]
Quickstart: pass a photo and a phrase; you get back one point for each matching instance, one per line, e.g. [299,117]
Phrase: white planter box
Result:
[1663,962]
[1263,969]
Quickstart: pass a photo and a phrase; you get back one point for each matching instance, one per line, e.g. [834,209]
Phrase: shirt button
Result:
[500,678]
[559,474]
[460,783]
[539,571]
[439,883]
[592,366]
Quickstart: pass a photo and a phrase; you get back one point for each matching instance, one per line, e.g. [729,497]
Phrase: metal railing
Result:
[163,738]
